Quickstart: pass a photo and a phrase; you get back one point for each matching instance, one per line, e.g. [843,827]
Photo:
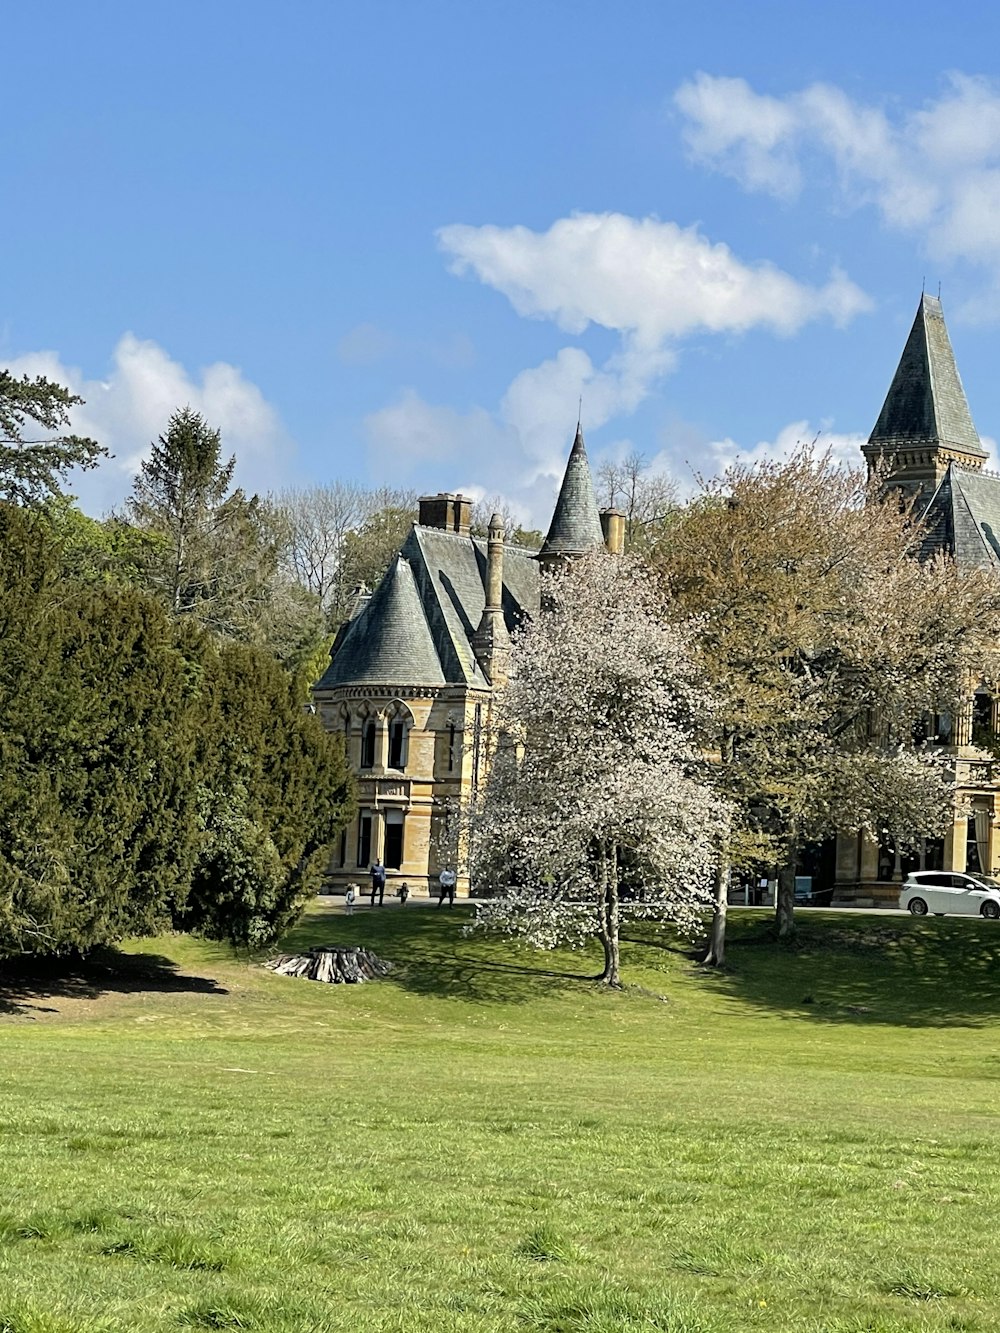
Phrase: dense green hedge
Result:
[149,775]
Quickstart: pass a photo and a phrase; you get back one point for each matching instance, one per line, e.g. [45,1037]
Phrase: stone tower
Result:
[925,422]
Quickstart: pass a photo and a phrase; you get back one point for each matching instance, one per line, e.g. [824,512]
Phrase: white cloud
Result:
[130,408]
[411,433]
[845,448]
[648,280]
[933,171]
[652,283]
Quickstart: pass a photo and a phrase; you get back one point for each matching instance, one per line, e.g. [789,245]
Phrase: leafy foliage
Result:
[31,469]
[829,644]
[214,553]
[117,729]
[594,809]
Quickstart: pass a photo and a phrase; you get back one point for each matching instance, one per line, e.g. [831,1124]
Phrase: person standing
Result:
[447,882]
[378,882]
[404,893]
[349,899]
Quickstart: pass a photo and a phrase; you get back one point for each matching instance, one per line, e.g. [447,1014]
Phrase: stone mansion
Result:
[411,673]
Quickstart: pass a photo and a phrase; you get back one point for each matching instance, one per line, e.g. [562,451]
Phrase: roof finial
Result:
[923,285]
[939,291]
[579,413]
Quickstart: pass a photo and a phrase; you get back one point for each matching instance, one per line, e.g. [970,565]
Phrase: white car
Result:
[941,891]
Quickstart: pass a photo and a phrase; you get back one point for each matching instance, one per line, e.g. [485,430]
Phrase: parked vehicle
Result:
[951,891]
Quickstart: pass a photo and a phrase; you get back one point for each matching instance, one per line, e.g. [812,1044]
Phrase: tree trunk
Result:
[611,923]
[716,954]
[784,906]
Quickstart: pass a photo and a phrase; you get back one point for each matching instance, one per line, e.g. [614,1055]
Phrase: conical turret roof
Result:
[926,404]
[576,523]
[389,640]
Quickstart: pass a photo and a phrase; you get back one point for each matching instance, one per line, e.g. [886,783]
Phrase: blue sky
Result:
[395,242]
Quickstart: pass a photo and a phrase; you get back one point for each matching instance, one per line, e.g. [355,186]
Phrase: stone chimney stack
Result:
[613,527]
[491,642]
[447,511]
[494,564]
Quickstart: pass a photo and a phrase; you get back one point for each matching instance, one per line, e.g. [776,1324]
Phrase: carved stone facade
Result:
[411,677]
[926,439]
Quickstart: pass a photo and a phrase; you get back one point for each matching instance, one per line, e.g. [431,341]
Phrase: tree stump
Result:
[331,963]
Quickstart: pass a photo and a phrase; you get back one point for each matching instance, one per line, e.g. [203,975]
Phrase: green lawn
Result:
[488,1142]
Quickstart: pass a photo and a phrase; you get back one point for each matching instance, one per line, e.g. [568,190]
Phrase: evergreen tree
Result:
[31,469]
[274,794]
[214,554]
[98,821]
[149,774]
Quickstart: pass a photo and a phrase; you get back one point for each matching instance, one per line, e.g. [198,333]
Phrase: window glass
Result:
[368,746]
[393,839]
[364,837]
[397,744]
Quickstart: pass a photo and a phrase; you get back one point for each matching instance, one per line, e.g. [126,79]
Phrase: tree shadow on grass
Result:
[431,955]
[26,983]
[866,970]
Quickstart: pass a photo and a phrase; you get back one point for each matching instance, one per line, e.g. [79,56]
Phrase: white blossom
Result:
[594,810]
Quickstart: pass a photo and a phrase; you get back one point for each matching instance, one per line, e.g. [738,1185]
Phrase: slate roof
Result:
[417,628]
[576,523]
[926,403]
[963,518]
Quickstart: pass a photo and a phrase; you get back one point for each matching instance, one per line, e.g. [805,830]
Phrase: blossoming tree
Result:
[830,646]
[595,811]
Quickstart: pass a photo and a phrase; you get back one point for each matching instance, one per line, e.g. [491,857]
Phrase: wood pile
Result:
[330,963]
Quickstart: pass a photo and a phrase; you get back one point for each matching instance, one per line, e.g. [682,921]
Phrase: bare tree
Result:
[342,534]
[514,532]
[644,497]
[317,520]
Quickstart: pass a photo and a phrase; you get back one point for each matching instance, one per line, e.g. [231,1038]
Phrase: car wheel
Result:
[991,910]
[917,907]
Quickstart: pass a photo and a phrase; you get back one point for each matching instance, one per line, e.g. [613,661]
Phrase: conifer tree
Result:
[214,553]
[98,823]
[149,774]
[274,792]
[32,469]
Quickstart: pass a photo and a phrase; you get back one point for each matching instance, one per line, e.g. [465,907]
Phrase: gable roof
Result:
[576,523]
[418,626]
[926,403]
[963,518]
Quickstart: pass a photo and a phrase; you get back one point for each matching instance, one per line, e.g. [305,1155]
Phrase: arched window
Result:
[400,719]
[368,744]
[397,743]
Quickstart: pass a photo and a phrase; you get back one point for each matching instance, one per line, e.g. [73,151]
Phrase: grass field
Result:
[488,1142]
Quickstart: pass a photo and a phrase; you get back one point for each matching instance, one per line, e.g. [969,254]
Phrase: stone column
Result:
[869,859]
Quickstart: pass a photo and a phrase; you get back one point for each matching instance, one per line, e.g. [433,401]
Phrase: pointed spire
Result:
[576,523]
[925,421]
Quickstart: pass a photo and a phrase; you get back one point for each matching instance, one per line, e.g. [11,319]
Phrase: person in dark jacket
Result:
[378,882]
